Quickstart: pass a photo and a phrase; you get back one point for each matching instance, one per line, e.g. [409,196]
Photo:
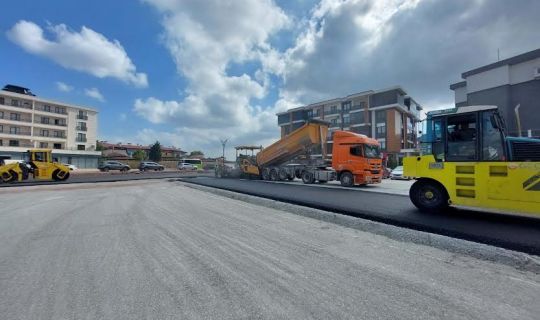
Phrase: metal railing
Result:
[78,139]
[20,119]
[82,117]
[82,128]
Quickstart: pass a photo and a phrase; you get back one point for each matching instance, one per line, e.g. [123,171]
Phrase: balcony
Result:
[18,104]
[331,112]
[18,133]
[80,139]
[82,117]
[82,128]
[49,123]
[48,135]
[16,119]
[358,106]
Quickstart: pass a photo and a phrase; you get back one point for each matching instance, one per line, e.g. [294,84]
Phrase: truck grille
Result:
[525,151]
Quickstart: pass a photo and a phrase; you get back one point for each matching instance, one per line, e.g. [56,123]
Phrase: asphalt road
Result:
[112,176]
[516,233]
[160,250]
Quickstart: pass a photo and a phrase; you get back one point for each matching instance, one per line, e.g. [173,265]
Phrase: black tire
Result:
[322,181]
[346,179]
[274,175]
[429,196]
[307,177]
[265,174]
[282,175]
[10,176]
[106,169]
[6,176]
[290,178]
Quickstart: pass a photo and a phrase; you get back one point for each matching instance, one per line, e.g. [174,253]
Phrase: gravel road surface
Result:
[161,250]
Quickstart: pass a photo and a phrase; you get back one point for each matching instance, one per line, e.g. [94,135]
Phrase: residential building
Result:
[506,84]
[388,115]
[126,151]
[27,121]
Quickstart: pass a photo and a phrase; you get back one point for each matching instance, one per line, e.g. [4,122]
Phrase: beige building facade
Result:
[28,121]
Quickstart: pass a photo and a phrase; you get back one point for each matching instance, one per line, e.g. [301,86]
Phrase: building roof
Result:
[457,85]
[28,97]
[510,61]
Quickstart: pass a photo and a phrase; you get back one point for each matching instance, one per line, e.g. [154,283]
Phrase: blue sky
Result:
[190,72]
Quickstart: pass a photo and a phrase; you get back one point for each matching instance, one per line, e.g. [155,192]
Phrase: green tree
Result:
[155,152]
[99,146]
[139,155]
[196,153]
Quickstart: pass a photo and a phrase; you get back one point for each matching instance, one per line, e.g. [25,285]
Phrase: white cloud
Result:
[94,93]
[204,39]
[64,87]
[86,51]
[122,117]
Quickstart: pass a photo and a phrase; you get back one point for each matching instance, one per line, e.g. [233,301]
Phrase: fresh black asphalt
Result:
[510,232]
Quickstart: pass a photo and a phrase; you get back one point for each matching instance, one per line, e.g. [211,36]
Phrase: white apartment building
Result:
[28,121]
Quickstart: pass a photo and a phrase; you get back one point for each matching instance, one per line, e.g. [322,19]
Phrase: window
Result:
[57,109]
[13,143]
[43,145]
[461,134]
[1,114]
[47,108]
[333,123]
[382,142]
[1,142]
[81,137]
[57,146]
[357,117]
[45,120]
[81,147]
[15,116]
[58,134]
[438,142]
[44,133]
[371,151]
[1,128]
[356,151]
[15,102]
[40,156]
[2,100]
[346,119]
[492,144]
[333,109]
[14,130]
[346,106]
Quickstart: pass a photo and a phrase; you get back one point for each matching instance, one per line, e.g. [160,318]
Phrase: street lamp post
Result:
[223,143]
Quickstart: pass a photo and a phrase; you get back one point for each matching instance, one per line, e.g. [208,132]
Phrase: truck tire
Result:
[346,179]
[274,176]
[307,177]
[290,178]
[265,174]
[429,196]
[282,175]
[10,176]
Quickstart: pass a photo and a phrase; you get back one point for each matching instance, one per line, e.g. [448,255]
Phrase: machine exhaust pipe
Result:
[518,120]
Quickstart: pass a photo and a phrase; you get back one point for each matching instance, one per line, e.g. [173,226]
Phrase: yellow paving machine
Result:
[467,159]
[40,165]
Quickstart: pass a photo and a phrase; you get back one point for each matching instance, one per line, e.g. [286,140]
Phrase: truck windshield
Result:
[371,151]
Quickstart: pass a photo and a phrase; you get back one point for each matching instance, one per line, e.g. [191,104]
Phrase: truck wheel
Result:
[428,196]
[265,174]
[274,175]
[290,178]
[6,177]
[346,179]
[282,175]
[307,177]
[10,176]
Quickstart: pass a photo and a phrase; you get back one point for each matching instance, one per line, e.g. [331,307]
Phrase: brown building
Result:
[125,151]
[388,115]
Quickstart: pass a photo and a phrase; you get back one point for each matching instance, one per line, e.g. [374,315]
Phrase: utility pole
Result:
[223,143]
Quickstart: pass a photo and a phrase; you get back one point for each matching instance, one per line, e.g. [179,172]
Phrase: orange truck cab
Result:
[356,159]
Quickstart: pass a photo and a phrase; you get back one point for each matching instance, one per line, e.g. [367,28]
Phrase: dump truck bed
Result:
[311,134]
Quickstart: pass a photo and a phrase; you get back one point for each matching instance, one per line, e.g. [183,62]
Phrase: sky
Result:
[191,72]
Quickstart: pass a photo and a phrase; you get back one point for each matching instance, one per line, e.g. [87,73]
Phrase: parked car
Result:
[113,165]
[70,166]
[146,165]
[397,174]
[186,166]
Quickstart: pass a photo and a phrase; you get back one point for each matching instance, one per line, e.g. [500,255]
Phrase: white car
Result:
[70,166]
[397,173]
[186,166]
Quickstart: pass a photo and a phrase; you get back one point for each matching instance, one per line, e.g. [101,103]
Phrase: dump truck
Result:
[302,154]
[468,160]
[40,166]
